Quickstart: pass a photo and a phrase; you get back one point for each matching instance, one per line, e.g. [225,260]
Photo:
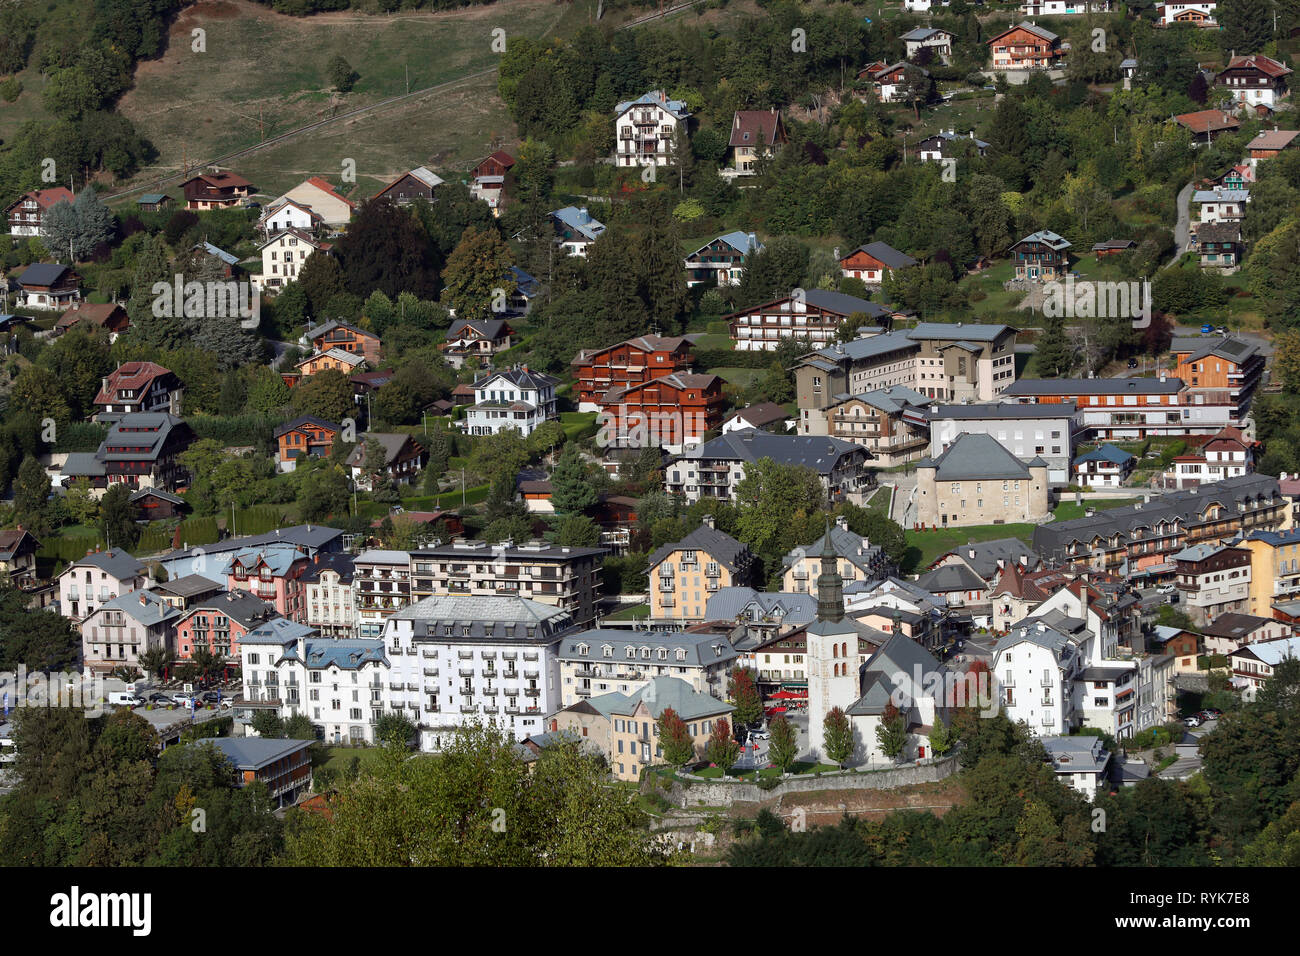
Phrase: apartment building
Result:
[1027,431]
[457,660]
[1127,409]
[948,362]
[715,468]
[1219,371]
[274,574]
[1141,539]
[331,595]
[608,660]
[634,722]
[138,387]
[1213,580]
[381,582]
[1254,664]
[814,314]
[91,582]
[217,624]
[565,577]
[117,632]
[339,683]
[647,128]
[892,423]
[858,559]
[1226,455]
[674,412]
[683,574]
[631,362]
[1274,568]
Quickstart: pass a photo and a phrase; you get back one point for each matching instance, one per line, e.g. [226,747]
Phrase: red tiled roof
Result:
[1257,61]
[132,375]
[1207,121]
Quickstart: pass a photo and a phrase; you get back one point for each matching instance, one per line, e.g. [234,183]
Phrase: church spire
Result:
[830,586]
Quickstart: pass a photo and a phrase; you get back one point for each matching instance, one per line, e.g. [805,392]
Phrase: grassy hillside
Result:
[260,66]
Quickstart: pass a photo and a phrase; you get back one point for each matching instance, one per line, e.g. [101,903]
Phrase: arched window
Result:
[844,650]
[835,651]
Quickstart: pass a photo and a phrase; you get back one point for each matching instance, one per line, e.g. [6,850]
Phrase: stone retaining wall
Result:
[705,792]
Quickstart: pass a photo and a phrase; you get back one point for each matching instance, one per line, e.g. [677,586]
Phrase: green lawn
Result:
[635,613]
[880,500]
[339,759]
[798,769]
[740,377]
[926,546]
[1068,510]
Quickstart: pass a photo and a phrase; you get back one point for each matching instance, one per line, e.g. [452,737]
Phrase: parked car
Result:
[1207,330]
[1223,330]
[1214,711]
[1166,589]
[185,699]
[157,698]
[1132,363]
[209,697]
[125,699]
[1192,721]
[760,734]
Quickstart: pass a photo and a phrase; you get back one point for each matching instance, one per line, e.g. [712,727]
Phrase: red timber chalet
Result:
[27,211]
[215,190]
[138,387]
[631,362]
[816,317]
[1025,47]
[672,412]
[1255,81]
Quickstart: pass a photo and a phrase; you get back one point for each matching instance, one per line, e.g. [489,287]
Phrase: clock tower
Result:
[831,656]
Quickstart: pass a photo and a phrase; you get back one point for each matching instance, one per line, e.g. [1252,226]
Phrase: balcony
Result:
[509,655]
[530,657]
[465,655]
[466,672]
[468,708]
[532,691]
[491,709]
[532,675]
[512,709]
[431,672]
[585,672]
[510,675]
[490,691]
[583,691]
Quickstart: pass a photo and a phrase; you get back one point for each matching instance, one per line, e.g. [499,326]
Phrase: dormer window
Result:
[631,652]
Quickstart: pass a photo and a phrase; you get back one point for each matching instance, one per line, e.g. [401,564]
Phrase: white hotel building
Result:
[458,659]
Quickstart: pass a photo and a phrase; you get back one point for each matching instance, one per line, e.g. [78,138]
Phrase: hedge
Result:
[79,436]
[233,429]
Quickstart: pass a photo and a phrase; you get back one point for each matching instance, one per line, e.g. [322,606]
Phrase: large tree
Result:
[837,732]
[675,740]
[385,249]
[477,276]
[722,748]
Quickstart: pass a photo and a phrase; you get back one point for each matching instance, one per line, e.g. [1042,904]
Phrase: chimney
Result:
[842,522]
[1024,561]
[707,521]
[737,125]
[1083,602]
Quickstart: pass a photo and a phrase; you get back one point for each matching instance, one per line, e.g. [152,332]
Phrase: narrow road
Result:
[1183,228]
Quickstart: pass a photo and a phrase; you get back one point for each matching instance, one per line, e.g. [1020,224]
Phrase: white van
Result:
[124,699]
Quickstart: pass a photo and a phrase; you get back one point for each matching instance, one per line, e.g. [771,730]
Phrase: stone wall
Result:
[704,792]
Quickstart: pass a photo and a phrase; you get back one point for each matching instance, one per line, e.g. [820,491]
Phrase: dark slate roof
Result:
[188,586]
[984,556]
[951,577]
[1052,538]
[42,273]
[884,253]
[958,331]
[820,453]
[975,457]
[494,617]
[254,753]
[1235,626]
[1001,410]
[1107,452]
[340,563]
[306,420]
[1234,350]
[238,605]
[488,328]
[157,493]
[115,562]
[720,546]
[846,545]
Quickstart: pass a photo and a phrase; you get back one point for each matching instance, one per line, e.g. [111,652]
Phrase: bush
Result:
[11,89]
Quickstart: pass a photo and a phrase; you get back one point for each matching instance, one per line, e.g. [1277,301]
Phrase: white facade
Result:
[87,585]
[1027,438]
[1171,12]
[1062,8]
[339,684]
[1221,205]
[503,401]
[331,605]
[381,584]
[645,128]
[289,215]
[457,660]
[1035,668]
[283,257]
